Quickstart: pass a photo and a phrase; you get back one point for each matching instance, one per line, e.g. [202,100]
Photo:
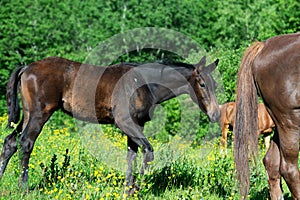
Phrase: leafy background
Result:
[34,29]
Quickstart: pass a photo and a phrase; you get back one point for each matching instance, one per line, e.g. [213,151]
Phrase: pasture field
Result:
[64,165]
[74,160]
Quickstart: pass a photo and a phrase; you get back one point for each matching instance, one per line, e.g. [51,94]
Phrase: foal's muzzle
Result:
[214,116]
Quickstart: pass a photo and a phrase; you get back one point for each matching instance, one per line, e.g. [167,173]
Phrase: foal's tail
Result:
[246,123]
[13,107]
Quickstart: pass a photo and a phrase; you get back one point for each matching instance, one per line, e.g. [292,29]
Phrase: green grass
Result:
[62,167]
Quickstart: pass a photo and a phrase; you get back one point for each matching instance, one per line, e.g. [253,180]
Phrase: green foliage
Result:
[228,68]
[34,30]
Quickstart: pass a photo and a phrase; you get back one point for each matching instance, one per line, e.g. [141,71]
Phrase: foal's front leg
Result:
[135,139]
[148,155]
[131,161]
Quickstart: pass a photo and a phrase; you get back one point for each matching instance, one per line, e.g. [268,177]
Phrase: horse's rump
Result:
[270,69]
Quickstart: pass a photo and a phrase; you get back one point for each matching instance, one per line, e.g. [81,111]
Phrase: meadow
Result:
[69,162]
[75,160]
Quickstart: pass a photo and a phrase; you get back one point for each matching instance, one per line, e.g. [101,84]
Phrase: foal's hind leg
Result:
[9,148]
[30,133]
[267,141]
[224,128]
[272,164]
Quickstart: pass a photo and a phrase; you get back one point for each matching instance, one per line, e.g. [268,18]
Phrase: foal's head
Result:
[204,89]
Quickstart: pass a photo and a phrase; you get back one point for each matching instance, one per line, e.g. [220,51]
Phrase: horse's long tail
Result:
[13,107]
[246,123]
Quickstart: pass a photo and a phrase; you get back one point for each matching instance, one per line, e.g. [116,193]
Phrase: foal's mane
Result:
[166,62]
[173,63]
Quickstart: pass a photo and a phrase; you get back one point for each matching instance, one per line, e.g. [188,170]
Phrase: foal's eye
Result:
[202,85]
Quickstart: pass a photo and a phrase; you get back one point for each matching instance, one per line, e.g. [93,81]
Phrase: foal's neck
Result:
[173,82]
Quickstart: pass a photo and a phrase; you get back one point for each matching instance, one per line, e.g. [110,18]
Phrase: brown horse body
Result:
[271,69]
[265,122]
[122,94]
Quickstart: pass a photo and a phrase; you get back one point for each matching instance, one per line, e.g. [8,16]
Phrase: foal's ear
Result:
[201,64]
[211,67]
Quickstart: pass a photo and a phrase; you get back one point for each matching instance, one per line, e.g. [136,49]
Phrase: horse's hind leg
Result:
[272,165]
[9,148]
[289,152]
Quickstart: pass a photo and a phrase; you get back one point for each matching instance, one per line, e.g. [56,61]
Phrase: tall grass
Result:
[62,167]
